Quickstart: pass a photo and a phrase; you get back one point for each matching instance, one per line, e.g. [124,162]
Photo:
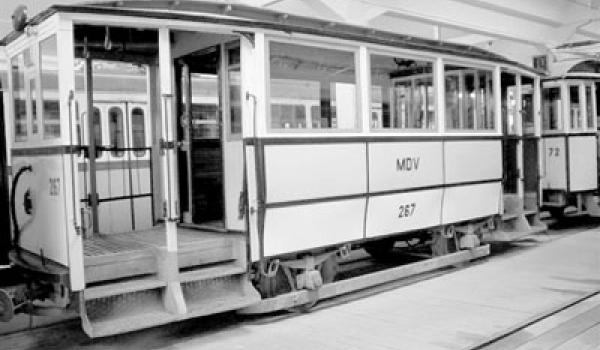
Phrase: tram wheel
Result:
[441,245]
[273,286]
[381,250]
[329,269]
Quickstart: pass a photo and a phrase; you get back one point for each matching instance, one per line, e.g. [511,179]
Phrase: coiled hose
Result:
[17,231]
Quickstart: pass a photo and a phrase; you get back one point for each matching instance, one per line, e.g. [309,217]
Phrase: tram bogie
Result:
[230,161]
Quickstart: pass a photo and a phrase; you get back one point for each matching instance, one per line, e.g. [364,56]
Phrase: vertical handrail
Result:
[93,202]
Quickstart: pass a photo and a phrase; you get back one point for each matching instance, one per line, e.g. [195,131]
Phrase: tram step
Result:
[128,286]
[220,270]
[146,308]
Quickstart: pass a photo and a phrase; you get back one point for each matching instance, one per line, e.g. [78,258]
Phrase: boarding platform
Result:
[459,310]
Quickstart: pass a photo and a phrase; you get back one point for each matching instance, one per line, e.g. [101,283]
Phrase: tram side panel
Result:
[473,172]
[582,163]
[41,205]
[307,190]
[555,162]
[405,180]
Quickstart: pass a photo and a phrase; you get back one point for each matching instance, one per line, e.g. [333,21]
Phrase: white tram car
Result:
[569,95]
[306,139]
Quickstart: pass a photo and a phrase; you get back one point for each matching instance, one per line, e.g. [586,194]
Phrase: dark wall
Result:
[4,208]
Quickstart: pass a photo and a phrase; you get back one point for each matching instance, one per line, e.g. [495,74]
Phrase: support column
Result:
[167,259]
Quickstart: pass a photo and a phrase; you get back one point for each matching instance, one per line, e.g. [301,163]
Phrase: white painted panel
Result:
[140,180]
[473,160]
[555,163]
[583,163]
[46,228]
[472,201]
[400,165]
[143,213]
[252,202]
[403,212]
[297,172]
[119,216]
[309,226]
[233,163]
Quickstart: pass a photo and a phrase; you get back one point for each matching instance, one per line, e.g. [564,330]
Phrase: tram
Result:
[570,184]
[234,155]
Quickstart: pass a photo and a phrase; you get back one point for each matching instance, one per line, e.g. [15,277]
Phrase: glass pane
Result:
[204,117]
[485,101]
[589,102]
[138,130]
[97,123]
[527,114]
[468,116]
[18,87]
[205,121]
[402,95]
[310,77]
[33,105]
[49,73]
[115,130]
[551,104]
[576,116]
[508,101]
[469,98]
[453,98]
[235,105]
[290,116]
[31,78]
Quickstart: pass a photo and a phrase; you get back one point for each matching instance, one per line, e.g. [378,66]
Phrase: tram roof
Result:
[259,18]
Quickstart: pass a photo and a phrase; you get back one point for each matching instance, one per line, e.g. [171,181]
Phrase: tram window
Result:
[313,76]
[453,99]
[290,116]
[115,131]
[138,131]
[205,122]
[235,104]
[17,65]
[402,91]
[552,105]
[49,73]
[33,105]
[485,99]
[589,103]
[575,114]
[469,98]
[97,126]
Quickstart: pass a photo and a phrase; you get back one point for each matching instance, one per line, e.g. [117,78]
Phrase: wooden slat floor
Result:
[459,310]
[145,239]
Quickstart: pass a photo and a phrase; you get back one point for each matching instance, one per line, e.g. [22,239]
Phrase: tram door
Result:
[207,104]
[510,142]
[531,176]
[520,143]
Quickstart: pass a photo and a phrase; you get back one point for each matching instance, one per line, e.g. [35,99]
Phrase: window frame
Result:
[369,85]
[132,113]
[111,130]
[562,122]
[345,47]
[41,94]
[473,67]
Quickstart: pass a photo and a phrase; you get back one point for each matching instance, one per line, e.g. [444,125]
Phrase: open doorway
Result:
[205,110]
